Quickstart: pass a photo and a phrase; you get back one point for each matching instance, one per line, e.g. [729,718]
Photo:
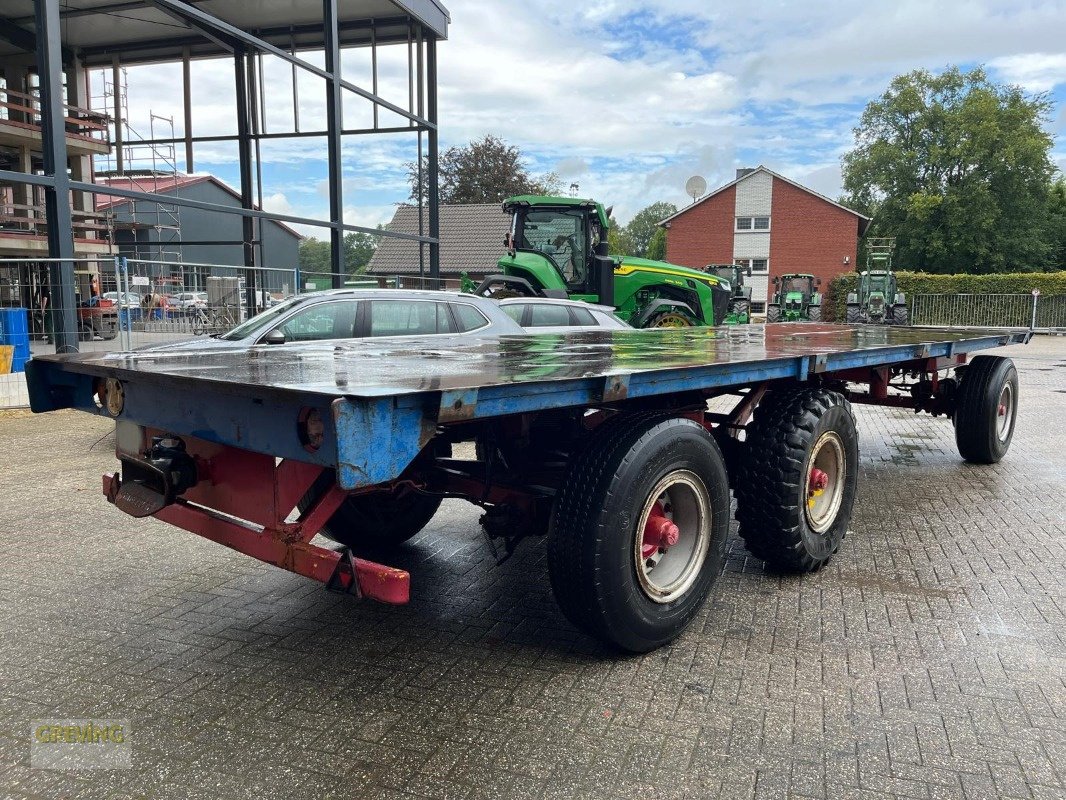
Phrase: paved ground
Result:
[927,661]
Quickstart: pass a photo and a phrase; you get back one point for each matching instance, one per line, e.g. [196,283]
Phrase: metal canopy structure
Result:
[69,36]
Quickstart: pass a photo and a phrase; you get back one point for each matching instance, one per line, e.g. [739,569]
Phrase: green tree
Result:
[1055,234]
[358,250]
[488,170]
[645,223]
[657,246]
[619,242]
[314,255]
[957,168]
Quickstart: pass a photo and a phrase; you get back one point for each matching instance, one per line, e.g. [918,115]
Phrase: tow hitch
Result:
[150,484]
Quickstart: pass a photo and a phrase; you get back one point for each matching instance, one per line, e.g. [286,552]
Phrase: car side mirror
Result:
[275,337]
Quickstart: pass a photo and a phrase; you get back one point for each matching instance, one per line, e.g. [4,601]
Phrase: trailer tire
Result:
[773,313]
[854,315]
[633,470]
[785,520]
[378,520]
[986,409]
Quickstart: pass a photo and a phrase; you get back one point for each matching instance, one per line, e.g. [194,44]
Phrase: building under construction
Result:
[58,136]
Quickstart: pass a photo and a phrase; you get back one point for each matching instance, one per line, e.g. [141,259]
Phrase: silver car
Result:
[341,314]
[549,315]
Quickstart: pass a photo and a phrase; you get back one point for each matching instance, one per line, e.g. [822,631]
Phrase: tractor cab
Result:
[571,237]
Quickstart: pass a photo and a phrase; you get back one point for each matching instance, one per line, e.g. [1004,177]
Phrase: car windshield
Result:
[558,234]
[264,319]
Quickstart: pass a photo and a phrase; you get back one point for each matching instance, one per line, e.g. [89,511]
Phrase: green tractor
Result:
[740,301]
[557,247]
[878,300]
[795,299]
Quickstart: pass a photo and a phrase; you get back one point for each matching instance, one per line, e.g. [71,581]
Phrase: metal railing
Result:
[1038,312]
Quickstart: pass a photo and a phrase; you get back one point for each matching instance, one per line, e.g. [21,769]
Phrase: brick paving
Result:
[927,661]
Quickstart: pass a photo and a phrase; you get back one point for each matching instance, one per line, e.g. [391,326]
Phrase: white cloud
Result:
[631,97]
[1036,72]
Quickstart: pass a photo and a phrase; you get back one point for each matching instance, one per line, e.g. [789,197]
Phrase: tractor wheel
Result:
[773,313]
[379,520]
[670,319]
[796,483]
[638,533]
[986,409]
[900,316]
[814,314]
[742,308]
[854,315]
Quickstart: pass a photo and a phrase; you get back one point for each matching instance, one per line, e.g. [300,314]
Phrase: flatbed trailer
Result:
[604,441]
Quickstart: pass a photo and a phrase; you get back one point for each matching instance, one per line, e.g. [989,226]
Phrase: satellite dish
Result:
[695,187]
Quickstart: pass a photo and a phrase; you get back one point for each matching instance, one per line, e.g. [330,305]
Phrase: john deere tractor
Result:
[557,247]
[878,300]
[795,299]
[740,300]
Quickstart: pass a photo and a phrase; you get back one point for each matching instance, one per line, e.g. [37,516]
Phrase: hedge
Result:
[912,283]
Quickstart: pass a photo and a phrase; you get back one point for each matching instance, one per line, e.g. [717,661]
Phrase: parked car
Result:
[185,301]
[549,315]
[129,299]
[360,313]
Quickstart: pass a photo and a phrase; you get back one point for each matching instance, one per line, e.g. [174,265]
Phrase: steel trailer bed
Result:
[358,435]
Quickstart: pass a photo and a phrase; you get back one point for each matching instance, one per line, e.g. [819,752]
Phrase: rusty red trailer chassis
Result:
[226,443]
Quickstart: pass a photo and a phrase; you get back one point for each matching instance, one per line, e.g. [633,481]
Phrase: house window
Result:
[758,308]
[758,265]
[753,223]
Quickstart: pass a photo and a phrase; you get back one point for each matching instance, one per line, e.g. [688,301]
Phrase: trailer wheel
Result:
[854,315]
[773,313]
[796,483]
[986,409]
[381,519]
[638,532]
[378,520]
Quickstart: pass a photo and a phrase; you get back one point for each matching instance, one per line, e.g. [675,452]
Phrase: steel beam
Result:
[62,297]
[96,188]
[334,126]
[202,20]
[433,165]
[244,155]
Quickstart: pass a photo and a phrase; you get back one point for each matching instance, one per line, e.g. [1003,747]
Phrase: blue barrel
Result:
[15,330]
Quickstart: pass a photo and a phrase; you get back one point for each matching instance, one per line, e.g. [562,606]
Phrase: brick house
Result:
[770,223]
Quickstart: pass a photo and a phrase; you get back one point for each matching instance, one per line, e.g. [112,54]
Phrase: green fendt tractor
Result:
[740,300]
[878,300]
[557,247]
[795,299]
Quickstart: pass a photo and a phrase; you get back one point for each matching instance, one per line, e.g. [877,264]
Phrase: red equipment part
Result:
[659,532]
[242,500]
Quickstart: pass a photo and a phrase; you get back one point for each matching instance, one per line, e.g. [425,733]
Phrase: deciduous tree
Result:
[488,170]
[957,168]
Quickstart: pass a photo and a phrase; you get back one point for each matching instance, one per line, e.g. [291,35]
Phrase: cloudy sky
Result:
[628,99]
